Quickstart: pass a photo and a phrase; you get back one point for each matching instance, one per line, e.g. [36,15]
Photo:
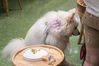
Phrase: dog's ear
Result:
[70,17]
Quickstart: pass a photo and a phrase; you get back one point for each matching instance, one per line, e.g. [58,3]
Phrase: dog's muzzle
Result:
[76,32]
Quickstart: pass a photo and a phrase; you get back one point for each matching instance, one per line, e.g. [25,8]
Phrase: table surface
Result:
[19,60]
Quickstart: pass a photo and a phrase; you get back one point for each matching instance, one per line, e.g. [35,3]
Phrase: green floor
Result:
[18,22]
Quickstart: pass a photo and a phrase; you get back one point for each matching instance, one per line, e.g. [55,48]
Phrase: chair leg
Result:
[5,7]
[20,4]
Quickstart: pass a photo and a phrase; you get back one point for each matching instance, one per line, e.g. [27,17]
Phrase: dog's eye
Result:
[71,21]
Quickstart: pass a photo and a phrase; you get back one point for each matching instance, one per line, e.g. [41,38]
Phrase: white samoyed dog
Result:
[54,28]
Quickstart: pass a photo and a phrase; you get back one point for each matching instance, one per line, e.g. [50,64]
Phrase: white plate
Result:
[29,55]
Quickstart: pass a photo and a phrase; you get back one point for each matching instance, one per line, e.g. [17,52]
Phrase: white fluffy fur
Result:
[13,46]
[58,36]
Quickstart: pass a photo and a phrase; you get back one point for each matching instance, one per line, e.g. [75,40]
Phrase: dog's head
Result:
[68,23]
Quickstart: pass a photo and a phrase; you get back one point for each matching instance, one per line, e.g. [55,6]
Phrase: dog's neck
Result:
[62,38]
[50,29]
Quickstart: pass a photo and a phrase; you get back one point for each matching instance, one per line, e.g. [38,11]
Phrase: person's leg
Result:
[92,46]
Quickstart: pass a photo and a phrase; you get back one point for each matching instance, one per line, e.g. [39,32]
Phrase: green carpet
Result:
[18,22]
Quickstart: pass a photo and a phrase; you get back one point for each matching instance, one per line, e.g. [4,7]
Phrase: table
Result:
[18,59]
